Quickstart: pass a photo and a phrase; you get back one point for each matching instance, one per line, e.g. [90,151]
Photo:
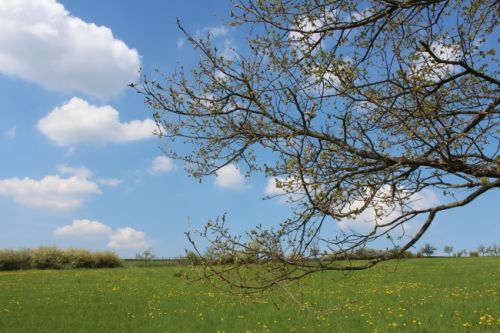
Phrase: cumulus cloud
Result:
[79,122]
[52,192]
[427,68]
[230,177]
[42,43]
[161,164]
[279,186]
[121,238]
[83,228]
[365,221]
[128,238]
[272,187]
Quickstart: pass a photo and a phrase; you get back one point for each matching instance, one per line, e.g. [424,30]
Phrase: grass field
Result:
[420,295]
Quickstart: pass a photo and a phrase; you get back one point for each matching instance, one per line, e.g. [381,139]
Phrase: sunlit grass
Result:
[420,295]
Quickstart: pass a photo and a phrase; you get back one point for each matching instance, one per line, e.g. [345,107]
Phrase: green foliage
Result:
[80,258]
[51,257]
[473,254]
[13,260]
[107,260]
[408,255]
[194,258]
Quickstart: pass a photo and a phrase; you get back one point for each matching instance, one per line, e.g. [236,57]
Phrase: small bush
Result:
[419,254]
[107,260]
[194,258]
[408,254]
[473,254]
[12,260]
[49,257]
[7,261]
[80,258]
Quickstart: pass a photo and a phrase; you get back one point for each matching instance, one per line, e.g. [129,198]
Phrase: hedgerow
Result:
[51,257]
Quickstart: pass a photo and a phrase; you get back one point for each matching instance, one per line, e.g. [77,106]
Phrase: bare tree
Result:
[448,249]
[481,249]
[147,256]
[428,249]
[358,110]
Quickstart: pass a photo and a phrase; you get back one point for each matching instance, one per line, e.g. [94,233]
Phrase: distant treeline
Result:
[51,257]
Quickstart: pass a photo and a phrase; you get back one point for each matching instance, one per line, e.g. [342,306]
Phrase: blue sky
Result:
[79,166]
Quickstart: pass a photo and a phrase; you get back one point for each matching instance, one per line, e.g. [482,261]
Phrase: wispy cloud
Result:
[11,133]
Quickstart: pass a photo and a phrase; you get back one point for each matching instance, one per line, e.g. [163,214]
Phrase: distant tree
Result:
[146,256]
[350,107]
[428,250]
[496,249]
[448,250]
[314,251]
[481,249]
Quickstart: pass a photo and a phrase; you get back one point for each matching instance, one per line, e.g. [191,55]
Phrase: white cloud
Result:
[230,177]
[79,172]
[279,186]
[83,228]
[79,122]
[128,238]
[217,31]
[426,67]
[42,43]
[272,187]
[387,211]
[121,238]
[306,37]
[52,192]
[112,182]
[161,164]
[11,133]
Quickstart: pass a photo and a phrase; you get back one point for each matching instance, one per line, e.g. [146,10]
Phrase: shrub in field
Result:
[12,260]
[106,259]
[473,254]
[7,260]
[23,258]
[193,258]
[408,254]
[46,257]
[80,258]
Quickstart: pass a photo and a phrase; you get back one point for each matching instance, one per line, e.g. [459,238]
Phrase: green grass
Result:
[421,295]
